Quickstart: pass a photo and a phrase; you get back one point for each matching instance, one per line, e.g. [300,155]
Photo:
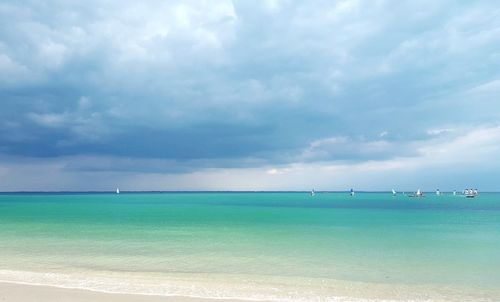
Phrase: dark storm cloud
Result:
[242,84]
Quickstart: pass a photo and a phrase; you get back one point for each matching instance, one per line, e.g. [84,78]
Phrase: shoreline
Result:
[26,292]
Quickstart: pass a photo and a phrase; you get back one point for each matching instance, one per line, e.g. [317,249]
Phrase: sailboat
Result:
[117,191]
[351,192]
[417,194]
[454,192]
[393,192]
[470,193]
[313,192]
[438,192]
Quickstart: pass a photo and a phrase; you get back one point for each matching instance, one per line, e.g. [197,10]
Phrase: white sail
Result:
[351,192]
[469,193]
[313,192]
[419,192]
[437,192]
[393,192]
[117,191]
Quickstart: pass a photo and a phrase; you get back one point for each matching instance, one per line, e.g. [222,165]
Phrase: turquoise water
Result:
[272,246]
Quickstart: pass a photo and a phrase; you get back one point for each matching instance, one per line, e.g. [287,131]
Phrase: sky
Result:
[249,95]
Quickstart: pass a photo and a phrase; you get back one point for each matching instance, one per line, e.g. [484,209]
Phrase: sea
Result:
[262,246]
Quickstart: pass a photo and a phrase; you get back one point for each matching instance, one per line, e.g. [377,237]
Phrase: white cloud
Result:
[439,131]
[345,148]
[473,146]
[52,54]
[489,87]
[273,6]
[12,72]
[53,120]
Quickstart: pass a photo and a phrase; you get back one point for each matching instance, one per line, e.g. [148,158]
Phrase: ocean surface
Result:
[259,246]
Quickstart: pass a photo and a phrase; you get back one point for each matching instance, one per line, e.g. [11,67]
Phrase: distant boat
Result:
[470,193]
[417,194]
[313,192]
[351,192]
[454,192]
[393,192]
[438,192]
[117,191]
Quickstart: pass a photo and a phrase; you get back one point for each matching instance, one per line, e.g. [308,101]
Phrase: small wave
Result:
[186,286]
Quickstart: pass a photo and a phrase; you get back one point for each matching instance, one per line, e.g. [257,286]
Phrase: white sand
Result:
[13,292]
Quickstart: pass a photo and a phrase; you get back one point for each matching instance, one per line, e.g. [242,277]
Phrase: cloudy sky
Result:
[249,95]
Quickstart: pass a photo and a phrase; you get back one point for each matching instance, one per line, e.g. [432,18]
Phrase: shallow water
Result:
[275,246]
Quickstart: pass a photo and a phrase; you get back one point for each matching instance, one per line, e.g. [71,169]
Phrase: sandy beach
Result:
[14,292]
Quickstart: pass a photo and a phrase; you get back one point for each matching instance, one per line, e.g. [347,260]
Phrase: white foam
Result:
[112,282]
[243,287]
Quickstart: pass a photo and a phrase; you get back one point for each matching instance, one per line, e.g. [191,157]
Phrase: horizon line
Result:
[221,191]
